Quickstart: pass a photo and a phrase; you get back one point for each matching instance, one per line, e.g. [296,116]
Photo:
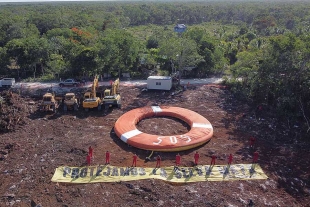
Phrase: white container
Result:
[159,82]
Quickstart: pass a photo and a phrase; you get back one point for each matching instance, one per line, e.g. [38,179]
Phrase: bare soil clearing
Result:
[33,144]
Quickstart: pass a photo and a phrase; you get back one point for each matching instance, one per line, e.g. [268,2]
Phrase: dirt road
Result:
[122,83]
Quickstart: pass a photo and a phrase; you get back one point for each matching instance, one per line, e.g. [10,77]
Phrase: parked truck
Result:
[70,83]
[7,82]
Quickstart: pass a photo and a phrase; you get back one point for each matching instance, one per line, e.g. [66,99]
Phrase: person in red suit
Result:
[107,157]
[196,158]
[134,160]
[90,151]
[88,160]
[177,159]
[230,158]
[252,142]
[213,157]
[255,157]
[158,159]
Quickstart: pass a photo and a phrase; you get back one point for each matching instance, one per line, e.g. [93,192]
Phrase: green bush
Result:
[163,72]
[47,78]
[136,75]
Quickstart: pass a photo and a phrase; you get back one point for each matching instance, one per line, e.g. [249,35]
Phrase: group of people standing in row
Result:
[177,158]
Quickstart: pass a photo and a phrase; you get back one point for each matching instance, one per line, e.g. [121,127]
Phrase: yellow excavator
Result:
[90,97]
[112,97]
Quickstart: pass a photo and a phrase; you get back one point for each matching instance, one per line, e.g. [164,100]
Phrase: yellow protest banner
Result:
[108,173]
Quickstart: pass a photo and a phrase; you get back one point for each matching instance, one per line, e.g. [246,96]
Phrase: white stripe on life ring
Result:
[156,109]
[200,125]
[130,134]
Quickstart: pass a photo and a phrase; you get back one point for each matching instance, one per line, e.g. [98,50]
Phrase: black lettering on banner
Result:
[124,172]
[199,171]
[115,171]
[108,172]
[83,172]
[252,172]
[191,172]
[134,171]
[92,171]
[154,171]
[184,173]
[163,173]
[232,170]
[221,170]
[67,170]
[141,171]
[208,170]
[242,170]
[178,174]
[75,173]
[99,170]
[226,170]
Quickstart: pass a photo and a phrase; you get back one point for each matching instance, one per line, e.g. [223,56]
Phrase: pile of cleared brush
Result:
[13,110]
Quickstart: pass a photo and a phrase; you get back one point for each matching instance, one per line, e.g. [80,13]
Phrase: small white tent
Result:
[159,82]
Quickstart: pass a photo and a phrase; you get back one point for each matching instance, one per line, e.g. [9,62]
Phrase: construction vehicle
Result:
[70,102]
[50,102]
[111,96]
[90,97]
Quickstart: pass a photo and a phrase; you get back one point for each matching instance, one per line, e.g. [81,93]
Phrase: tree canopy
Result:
[262,48]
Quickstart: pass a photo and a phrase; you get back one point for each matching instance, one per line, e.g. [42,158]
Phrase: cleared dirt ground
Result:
[33,144]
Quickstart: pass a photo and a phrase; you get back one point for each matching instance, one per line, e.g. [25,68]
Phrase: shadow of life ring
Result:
[201,129]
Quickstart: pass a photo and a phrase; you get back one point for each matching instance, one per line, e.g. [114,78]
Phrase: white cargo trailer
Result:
[159,82]
[7,82]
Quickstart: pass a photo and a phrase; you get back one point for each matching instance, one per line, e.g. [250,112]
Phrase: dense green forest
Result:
[262,48]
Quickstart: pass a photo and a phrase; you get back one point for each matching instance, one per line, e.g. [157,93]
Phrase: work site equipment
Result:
[111,96]
[90,97]
[70,102]
[50,102]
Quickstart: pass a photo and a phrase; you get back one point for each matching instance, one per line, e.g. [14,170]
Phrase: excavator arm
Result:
[94,87]
[90,98]
[115,87]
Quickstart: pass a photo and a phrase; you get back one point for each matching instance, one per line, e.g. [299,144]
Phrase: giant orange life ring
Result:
[201,129]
